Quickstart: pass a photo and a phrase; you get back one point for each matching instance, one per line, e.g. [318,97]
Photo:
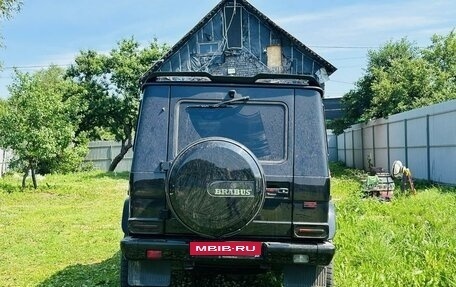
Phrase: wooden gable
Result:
[235,39]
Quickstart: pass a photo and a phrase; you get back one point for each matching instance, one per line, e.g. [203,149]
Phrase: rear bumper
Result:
[273,255]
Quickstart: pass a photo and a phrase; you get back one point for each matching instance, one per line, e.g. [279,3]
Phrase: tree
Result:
[399,77]
[8,7]
[358,104]
[37,124]
[112,85]
[3,104]
[441,55]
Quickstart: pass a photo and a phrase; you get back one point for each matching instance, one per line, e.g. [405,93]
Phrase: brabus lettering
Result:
[246,191]
[230,192]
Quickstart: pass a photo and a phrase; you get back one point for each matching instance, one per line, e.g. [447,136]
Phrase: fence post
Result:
[345,148]
[373,146]
[109,155]
[406,142]
[353,148]
[388,144]
[362,148]
[428,149]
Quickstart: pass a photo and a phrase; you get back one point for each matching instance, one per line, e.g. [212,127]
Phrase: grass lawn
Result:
[67,233]
[407,242]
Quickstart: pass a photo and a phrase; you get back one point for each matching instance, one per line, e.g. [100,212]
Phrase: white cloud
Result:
[370,24]
[365,24]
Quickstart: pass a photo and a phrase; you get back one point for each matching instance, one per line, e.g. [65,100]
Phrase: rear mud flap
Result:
[149,273]
[304,276]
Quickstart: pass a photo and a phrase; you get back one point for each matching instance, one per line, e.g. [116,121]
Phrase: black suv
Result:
[229,173]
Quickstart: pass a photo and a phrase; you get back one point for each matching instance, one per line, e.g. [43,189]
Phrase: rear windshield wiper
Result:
[223,104]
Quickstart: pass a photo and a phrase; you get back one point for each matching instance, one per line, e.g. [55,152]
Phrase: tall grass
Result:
[407,242]
[67,233]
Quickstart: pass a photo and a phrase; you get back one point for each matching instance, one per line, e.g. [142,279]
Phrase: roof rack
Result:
[290,79]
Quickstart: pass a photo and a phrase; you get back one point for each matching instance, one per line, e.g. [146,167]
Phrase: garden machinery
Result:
[400,171]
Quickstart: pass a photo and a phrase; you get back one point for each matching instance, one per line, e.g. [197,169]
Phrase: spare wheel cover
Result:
[216,187]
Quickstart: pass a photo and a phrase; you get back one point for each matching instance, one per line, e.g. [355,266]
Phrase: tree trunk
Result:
[24,177]
[34,177]
[126,145]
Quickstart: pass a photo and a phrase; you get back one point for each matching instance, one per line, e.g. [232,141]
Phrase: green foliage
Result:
[400,77]
[37,124]
[441,55]
[112,93]
[8,7]
[404,86]
[70,158]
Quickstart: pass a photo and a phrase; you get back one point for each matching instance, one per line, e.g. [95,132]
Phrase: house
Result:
[333,108]
[235,39]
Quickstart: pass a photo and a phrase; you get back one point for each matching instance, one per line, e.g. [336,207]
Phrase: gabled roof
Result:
[187,55]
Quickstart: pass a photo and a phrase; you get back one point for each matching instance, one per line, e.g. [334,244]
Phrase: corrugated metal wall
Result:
[101,154]
[5,158]
[423,139]
[332,145]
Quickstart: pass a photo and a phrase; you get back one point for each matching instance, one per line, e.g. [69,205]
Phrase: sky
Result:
[49,32]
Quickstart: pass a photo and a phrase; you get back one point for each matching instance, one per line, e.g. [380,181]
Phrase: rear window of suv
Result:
[260,126]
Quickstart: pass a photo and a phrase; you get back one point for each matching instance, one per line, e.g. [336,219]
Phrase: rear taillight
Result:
[310,232]
[144,227]
[310,204]
[154,254]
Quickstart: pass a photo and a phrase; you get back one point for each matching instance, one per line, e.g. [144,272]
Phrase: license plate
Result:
[226,248]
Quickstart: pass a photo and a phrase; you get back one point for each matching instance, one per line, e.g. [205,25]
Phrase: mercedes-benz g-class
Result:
[229,173]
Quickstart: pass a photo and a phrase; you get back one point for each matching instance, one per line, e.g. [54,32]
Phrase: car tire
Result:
[215,187]
[330,275]
[125,216]
[124,272]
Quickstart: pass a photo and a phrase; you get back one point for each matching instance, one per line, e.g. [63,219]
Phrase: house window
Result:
[208,48]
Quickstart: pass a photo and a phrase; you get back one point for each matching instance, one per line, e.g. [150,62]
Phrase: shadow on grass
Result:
[105,273]
[124,175]
[424,184]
